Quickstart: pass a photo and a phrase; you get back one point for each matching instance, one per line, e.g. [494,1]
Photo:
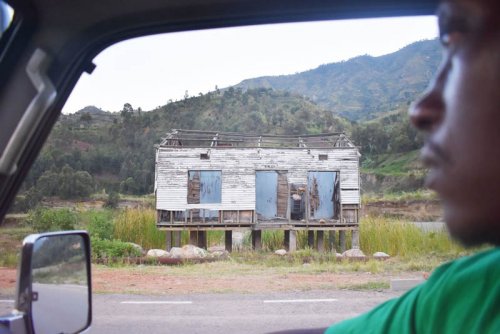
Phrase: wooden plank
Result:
[193,187]
[283,194]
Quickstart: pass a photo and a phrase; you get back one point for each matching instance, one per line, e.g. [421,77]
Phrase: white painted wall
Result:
[238,166]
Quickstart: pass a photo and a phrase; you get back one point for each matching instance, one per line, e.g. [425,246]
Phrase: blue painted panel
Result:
[325,182]
[266,193]
[210,191]
[210,186]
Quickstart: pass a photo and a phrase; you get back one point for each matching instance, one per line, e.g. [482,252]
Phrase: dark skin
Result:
[460,113]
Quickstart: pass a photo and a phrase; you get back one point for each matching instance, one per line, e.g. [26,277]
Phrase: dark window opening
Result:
[323,157]
[297,195]
[204,156]
[271,194]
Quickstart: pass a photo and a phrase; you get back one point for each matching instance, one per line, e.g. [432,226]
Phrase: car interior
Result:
[46,46]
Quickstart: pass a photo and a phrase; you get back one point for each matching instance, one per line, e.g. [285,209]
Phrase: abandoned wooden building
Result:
[208,180]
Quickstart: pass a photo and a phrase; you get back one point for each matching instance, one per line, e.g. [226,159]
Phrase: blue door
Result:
[266,194]
[204,187]
[210,186]
[321,187]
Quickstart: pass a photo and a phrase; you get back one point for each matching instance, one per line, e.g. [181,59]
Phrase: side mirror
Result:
[53,289]
[5,16]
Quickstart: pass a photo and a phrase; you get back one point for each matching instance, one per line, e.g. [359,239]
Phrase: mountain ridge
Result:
[364,86]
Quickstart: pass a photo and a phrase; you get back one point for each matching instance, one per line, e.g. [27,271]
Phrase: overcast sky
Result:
[147,72]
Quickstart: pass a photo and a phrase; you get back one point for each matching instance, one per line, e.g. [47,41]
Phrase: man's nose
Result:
[428,111]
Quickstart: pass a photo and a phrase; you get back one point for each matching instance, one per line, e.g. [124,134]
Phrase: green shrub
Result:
[100,225]
[112,249]
[43,219]
[112,200]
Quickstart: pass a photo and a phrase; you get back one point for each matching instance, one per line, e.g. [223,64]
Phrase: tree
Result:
[68,183]
[86,118]
[113,200]
[127,112]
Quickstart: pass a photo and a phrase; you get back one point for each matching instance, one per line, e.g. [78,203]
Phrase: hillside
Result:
[98,151]
[93,151]
[363,87]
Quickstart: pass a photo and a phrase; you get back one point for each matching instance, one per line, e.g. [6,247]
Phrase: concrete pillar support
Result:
[342,241]
[331,241]
[257,240]
[228,240]
[193,237]
[310,239]
[168,243]
[292,241]
[320,235]
[355,239]
[177,238]
[202,239]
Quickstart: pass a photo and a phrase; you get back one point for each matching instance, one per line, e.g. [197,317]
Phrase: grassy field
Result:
[395,164]
[411,249]
[400,196]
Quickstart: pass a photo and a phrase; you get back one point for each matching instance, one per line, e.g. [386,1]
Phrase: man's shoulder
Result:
[462,294]
[466,267]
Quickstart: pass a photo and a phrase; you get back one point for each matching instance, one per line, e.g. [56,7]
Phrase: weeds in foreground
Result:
[139,226]
[399,238]
[402,196]
[377,285]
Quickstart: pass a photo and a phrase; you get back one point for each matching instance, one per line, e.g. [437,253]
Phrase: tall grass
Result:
[399,238]
[377,234]
[139,226]
[402,196]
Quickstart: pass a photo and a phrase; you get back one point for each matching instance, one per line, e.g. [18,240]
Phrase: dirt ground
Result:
[416,210]
[166,280]
[172,280]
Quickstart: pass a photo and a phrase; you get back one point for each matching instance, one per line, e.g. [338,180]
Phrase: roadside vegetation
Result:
[114,230]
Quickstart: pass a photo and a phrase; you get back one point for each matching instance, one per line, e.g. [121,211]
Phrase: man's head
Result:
[460,112]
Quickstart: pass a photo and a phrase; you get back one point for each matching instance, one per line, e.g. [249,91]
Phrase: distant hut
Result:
[208,180]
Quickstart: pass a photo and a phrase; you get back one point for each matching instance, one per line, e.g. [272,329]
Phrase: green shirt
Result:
[462,296]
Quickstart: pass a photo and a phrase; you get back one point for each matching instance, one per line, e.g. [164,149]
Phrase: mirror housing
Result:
[4,17]
[54,285]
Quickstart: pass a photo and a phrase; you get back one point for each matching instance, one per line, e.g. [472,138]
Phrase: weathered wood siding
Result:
[238,166]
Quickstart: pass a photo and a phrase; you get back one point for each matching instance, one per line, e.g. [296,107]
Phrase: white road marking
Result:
[152,302]
[7,301]
[300,301]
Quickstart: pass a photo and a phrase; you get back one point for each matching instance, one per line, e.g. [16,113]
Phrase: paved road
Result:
[228,313]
